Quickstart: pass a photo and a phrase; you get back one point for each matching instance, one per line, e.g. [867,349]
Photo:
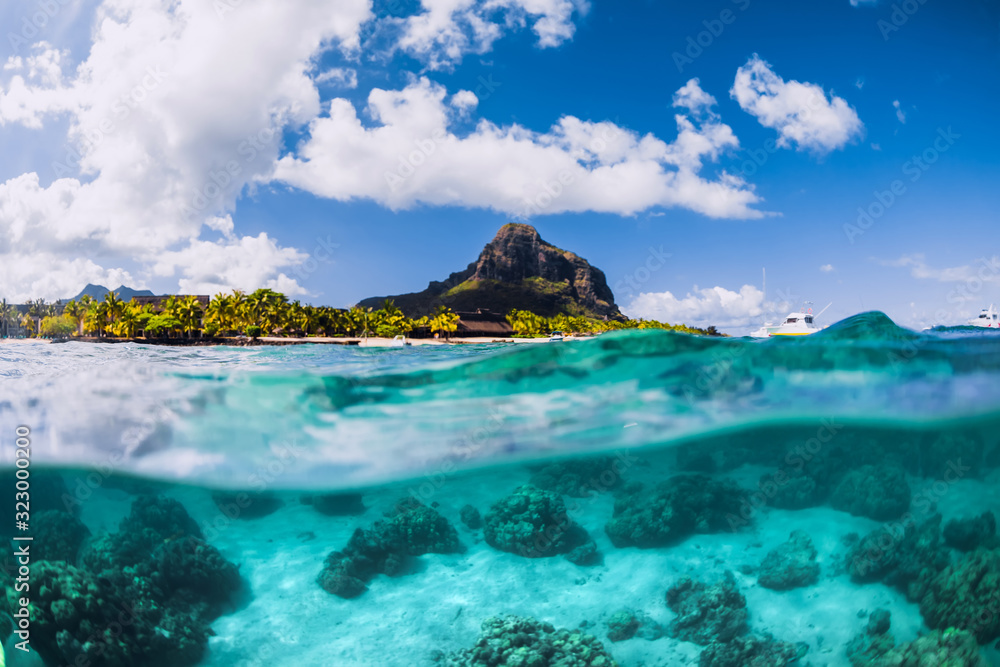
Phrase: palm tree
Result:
[6,310]
[37,309]
[115,307]
[221,312]
[97,318]
[189,313]
[444,321]
[76,311]
[128,320]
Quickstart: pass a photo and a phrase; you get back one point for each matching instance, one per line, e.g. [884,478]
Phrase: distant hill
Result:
[517,269]
[98,292]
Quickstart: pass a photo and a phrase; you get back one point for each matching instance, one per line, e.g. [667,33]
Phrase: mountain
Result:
[517,269]
[98,292]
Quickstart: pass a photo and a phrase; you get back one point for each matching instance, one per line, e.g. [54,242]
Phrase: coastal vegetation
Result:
[266,312]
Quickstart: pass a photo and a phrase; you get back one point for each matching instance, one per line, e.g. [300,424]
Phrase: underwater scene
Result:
[642,499]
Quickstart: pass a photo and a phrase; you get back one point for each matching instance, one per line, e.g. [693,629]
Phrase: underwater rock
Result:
[707,614]
[751,651]
[411,529]
[585,555]
[192,569]
[58,536]
[877,492]
[972,533]
[514,641]
[906,557]
[871,645]
[622,625]
[533,523]
[794,492]
[949,647]
[81,618]
[146,595]
[580,478]
[966,595]
[471,517]
[672,510]
[792,565]
[336,504]
[246,505]
[153,521]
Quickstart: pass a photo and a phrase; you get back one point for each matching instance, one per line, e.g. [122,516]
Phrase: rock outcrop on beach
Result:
[517,270]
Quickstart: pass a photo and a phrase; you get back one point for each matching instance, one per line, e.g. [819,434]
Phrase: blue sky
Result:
[799,115]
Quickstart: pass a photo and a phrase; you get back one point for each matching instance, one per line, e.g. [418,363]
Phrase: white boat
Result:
[556,336]
[799,323]
[400,341]
[987,318]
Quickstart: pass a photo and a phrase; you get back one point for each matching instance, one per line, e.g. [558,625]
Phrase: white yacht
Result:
[987,318]
[796,324]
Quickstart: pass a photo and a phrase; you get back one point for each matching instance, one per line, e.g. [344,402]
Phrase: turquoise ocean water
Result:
[640,498]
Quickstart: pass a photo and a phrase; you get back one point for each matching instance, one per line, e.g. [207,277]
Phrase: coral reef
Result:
[751,651]
[336,504]
[514,641]
[795,491]
[707,614]
[951,648]
[471,517]
[145,597]
[153,521]
[579,478]
[58,536]
[411,529]
[966,595]
[791,565]
[871,645]
[972,533]
[903,556]
[533,523]
[622,625]
[672,510]
[878,492]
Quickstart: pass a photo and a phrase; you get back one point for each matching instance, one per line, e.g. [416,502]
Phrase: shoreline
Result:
[372,341]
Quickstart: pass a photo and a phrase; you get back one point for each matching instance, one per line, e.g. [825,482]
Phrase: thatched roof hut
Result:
[482,322]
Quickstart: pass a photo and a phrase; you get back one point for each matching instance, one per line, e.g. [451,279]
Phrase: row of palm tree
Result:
[528,324]
[262,312]
[266,312]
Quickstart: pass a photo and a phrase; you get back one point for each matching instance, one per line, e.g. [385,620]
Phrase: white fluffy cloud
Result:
[710,306]
[827,268]
[802,113]
[443,31]
[410,156]
[176,109]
